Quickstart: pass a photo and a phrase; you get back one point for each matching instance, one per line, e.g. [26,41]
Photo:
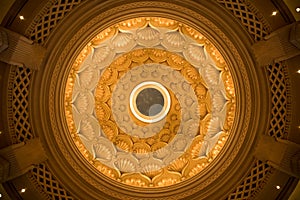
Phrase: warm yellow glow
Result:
[158,116]
[298,9]
[277,187]
[274,13]
[298,71]
[23,190]
[21,17]
[189,164]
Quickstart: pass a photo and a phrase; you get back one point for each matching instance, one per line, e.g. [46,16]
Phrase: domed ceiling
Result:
[149,100]
[146,102]
[147,150]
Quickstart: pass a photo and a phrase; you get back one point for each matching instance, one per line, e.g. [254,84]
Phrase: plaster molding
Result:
[63,55]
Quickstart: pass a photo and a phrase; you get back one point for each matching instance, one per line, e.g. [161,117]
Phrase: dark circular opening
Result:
[150,102]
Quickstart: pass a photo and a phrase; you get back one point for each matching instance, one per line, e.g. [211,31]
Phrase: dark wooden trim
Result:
[284,11]
[288,188]
[13,12]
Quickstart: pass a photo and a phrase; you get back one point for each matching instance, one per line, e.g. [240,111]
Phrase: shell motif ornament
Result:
[150,153]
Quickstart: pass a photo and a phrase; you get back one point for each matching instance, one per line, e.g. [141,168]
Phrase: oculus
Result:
[150,101]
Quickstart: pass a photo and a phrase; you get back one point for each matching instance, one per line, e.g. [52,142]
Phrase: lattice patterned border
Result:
[249,16]
[18,105]
[43,178]
[56,10]
[38,17]
[279,85]
[255,180]
[20,128]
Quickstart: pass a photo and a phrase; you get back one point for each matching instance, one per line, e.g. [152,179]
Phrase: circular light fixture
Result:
[298,9]
[277,187]
[150,102]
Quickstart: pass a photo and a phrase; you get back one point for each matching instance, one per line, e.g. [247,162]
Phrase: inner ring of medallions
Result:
[150,101]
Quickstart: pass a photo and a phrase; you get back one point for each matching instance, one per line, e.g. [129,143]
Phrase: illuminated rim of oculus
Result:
[163,110]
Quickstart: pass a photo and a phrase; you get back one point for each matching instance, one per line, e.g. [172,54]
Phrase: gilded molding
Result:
[238,62]
[127,61]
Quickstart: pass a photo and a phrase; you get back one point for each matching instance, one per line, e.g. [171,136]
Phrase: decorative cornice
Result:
[11,126]
[289,105]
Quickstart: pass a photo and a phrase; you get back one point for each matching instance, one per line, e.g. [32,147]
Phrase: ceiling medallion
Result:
[150,102]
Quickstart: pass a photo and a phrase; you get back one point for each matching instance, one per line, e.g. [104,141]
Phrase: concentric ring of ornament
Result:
[115,132]
[121,128]
[164,34]
[190,125]
[175,147]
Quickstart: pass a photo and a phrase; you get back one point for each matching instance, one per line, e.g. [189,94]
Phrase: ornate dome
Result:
[110,121]
[149,100]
